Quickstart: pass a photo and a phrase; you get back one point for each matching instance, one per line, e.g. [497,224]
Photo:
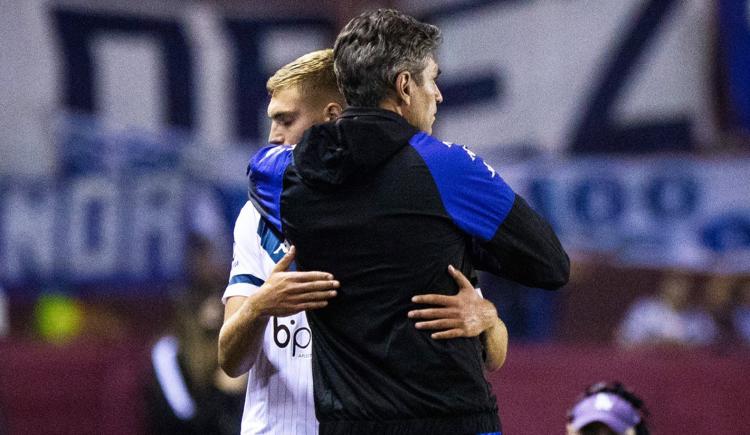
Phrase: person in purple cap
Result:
[608,409]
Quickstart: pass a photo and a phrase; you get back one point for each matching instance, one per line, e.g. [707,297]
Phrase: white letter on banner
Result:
[157,239]
[93,227]
[28,234]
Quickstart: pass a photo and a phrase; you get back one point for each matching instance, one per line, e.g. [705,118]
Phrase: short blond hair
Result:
[312,74]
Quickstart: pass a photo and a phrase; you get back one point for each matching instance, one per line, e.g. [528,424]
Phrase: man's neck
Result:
[389,104]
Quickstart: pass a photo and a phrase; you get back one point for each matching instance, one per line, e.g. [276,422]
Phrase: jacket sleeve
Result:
[524,249]
[507,237]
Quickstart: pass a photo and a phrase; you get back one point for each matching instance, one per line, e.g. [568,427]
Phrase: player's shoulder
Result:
[424,140]
[247,221]
[270,153]
[448,157]
[430,146]
[269,161]
[248,213]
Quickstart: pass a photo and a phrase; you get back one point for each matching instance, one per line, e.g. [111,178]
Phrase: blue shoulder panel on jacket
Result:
[266,176]
[474,195]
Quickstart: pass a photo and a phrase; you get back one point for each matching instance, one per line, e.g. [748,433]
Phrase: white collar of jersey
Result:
[171,380]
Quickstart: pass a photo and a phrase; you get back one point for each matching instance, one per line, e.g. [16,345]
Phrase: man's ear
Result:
[404,82]
[332,111]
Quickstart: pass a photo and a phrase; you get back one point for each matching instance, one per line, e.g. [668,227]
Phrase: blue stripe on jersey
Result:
[474,195]
[270,242]
[246,279]
[266,172]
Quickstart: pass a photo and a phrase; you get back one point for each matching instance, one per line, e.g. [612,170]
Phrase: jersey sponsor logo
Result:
[473,156]
[270,241]
[298,337]
[491,169]
[282,249]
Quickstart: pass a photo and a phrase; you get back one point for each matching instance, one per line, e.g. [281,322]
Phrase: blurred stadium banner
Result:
[162,103]
[734,16]
[117,211]
[123,202]
[680,212]
[544,76]
[582,76]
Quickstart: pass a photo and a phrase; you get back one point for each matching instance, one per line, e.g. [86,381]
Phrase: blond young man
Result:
[265,329]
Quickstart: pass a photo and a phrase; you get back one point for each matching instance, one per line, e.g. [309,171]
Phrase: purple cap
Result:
[614,411]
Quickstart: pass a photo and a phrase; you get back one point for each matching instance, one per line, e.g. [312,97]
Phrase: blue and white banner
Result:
[659,212]
[117,211]
[145,64]
[95,199]
[734,19]
[542,75]
[574,75]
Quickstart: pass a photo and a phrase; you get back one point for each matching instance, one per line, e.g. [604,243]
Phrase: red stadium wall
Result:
[94,388]
[686,391]
[83,388]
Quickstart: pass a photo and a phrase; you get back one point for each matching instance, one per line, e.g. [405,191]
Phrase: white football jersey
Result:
[279,397]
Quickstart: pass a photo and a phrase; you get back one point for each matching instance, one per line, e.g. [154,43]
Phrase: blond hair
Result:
[311,73]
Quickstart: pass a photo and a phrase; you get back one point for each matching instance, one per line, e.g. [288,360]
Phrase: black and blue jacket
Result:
[386,208]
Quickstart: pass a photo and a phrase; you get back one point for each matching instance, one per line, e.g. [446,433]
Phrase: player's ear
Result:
[332,111]
[404,82]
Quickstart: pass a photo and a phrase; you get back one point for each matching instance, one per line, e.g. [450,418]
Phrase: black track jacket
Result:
[386,208]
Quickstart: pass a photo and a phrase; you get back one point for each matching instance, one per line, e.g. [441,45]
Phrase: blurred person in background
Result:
[719,302]
[265,328]
[189,393]
[669,317]
[529,313]
[608,409]
[4,313]
[741,312]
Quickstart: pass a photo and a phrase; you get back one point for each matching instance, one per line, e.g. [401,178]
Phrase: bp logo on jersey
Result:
[299,337]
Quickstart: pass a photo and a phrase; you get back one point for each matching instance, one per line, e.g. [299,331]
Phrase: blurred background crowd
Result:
[126,129]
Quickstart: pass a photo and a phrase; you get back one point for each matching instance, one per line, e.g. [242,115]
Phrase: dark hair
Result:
[374,47]
[624,393]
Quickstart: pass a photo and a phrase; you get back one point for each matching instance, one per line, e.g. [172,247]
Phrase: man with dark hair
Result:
[392,213]
[369,59]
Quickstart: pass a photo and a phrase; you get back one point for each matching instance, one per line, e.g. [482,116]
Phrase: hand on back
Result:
[465,314]
[286,293]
